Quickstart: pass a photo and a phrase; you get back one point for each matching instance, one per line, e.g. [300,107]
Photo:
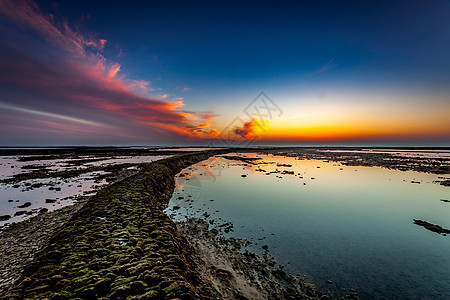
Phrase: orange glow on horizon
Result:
[347,122]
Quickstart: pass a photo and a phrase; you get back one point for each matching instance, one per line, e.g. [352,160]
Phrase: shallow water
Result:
[55,192]
[401,153]
[348,228]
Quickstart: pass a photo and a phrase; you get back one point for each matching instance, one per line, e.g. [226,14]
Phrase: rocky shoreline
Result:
[118,245]
[440,165]
[240,275]
[21,242]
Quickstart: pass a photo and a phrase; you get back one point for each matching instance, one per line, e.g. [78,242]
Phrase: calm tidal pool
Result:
[344,227]
[53,192]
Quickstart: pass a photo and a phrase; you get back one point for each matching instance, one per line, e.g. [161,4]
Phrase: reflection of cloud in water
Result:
[189,180]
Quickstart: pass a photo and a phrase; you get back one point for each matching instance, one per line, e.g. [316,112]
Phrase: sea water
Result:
[345,227]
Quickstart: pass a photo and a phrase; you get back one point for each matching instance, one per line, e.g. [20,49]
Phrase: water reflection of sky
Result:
[350,225]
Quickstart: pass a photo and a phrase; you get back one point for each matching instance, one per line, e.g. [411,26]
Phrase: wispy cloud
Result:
[184,89]
[51,115]
[85,77]
[26,14]
[328,66]
[141,86]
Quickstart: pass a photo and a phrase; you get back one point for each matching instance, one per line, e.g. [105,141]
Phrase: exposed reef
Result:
[358,157]
[248,160]
[21,242]
[237,274]
[119,245]
[432,227]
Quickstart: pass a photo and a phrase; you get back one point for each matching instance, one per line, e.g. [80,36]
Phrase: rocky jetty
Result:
[119,245]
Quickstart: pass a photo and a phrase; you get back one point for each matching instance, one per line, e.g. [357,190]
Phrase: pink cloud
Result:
[26,14]
[88,79]
[141,86]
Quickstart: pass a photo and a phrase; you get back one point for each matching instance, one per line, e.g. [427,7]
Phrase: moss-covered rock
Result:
[120,245]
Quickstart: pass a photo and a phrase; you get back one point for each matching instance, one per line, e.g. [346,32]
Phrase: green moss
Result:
[119,245]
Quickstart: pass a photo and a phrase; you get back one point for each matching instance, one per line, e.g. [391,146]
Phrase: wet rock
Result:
[102,286]
[88,293]
[248,160]
[445,183]
[288,172]
[265,247]
[25,205]
[5,218]
[243,175]
[432,227]
[50,200]
[284,165]
[36,185]
[20,213]
[138,286]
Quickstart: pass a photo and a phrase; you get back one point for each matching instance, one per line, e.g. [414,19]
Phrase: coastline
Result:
[139,237]
[240,275]
[142,254]
[21,242]
[166,259]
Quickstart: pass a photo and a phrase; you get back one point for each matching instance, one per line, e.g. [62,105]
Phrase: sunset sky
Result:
[192,73]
